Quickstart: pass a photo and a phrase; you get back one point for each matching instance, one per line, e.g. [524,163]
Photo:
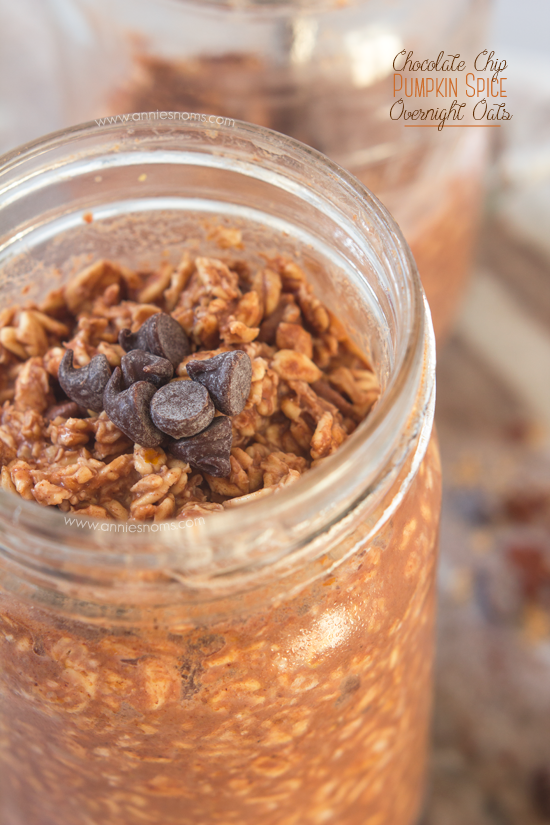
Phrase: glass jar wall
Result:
[274,662]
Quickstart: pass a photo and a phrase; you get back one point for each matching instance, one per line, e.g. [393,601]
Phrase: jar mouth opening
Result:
[294,509]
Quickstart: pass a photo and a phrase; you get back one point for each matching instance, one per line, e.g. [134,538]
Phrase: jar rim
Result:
[411,386]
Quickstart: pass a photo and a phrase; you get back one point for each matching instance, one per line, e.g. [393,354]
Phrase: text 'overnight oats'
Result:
[177,392]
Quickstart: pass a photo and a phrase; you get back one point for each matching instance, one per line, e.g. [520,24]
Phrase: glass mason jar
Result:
[318,70]
[274,662]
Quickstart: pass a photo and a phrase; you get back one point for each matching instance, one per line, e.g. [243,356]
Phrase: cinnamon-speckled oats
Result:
[310,386]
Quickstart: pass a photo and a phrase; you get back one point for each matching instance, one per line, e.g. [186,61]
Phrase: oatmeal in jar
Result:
[220,489]
[175,393]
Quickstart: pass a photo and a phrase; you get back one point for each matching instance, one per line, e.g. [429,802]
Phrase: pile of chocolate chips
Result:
[154,411]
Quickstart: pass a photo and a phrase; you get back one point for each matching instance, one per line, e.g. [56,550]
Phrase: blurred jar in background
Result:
[32,94]
[318,70]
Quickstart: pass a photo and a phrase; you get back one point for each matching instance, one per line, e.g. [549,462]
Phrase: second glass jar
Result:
[318,70]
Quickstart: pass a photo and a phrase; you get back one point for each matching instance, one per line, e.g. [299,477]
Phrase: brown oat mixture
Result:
[313,711]
[310,386]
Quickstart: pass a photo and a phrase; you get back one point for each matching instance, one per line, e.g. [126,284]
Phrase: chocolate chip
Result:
[130,340]
[227,378]
[208,451]
[129,410]
[67,409]
[161,335]
[85,386]
[182,408]
[138,365]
